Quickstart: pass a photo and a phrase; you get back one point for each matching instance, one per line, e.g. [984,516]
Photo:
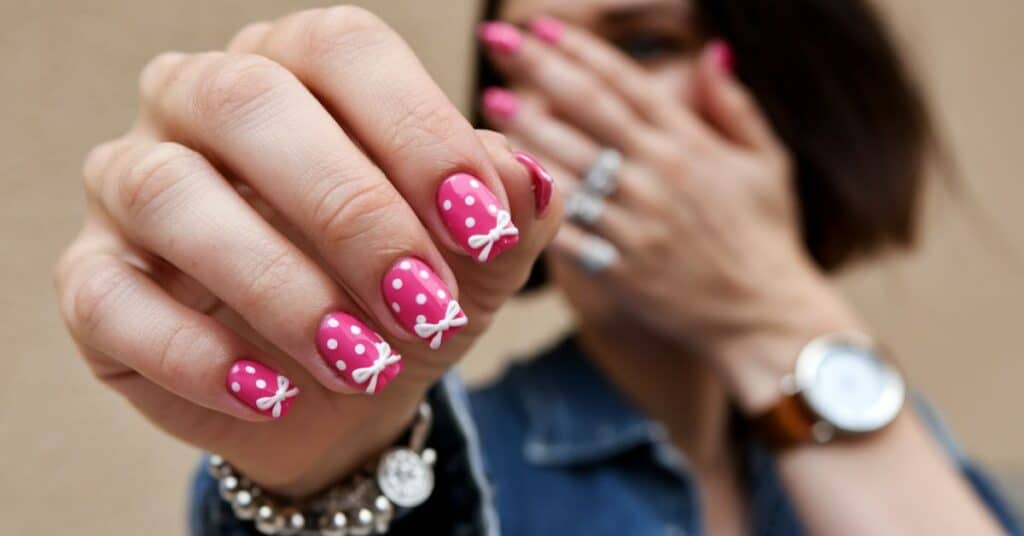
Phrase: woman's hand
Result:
[703,215]
[277,213]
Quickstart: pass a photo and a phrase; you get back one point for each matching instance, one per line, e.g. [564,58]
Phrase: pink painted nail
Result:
[501,103]
[421,301]
[261,387]
[542,181]
[721,52]
[547,29]
[475,217]
[501,37]
[357,353]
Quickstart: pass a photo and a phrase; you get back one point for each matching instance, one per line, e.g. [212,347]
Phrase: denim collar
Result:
[574,416]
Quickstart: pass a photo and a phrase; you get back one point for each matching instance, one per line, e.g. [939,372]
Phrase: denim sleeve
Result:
[461,503]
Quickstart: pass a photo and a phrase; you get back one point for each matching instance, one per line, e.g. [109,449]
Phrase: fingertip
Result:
[547,29]
[500,103]
[720,55]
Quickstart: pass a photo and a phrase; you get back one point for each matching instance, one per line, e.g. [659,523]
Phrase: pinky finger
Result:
[114,309]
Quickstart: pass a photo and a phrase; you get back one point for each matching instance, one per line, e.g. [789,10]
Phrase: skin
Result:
[208,219]
[713,294]
[237,212]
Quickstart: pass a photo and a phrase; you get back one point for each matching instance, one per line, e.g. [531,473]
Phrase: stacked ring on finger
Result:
[597,254]
[602,176]
[586,205]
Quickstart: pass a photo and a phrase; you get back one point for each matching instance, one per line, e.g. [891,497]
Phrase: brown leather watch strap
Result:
[789,423]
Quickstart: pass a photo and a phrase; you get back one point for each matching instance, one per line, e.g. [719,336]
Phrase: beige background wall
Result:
[76,457]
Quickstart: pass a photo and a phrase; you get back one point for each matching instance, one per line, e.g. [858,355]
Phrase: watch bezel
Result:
[884,410]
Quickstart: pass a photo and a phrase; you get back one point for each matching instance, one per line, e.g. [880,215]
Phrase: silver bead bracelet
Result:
[362,505]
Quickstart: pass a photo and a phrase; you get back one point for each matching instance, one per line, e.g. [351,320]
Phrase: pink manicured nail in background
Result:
[547,29]
[421,301]
[475,218]
[722,54]
[261,388]
[543,184]
[500,103]
[357,353]
[501,37]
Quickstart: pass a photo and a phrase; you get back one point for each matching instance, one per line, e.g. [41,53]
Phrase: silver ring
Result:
[600,179]
[597,254]
[584,207]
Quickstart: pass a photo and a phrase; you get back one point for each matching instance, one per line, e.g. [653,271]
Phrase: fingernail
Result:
[357,353]
[475,218]
[547,29]
[421,301]
[722,54]
[501,37]
[261,388]
[542,181]
[501,103]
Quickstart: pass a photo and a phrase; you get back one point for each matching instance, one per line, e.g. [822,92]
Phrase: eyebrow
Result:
[644,10]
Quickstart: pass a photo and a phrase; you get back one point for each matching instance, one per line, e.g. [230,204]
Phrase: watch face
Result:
[848,385]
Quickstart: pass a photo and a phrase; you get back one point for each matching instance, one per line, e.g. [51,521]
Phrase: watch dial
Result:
[851,388]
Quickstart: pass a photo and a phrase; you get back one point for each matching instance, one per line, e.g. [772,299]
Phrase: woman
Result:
[302,212]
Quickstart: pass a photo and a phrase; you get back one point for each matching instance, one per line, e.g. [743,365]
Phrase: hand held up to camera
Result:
[680,202]
[275,267]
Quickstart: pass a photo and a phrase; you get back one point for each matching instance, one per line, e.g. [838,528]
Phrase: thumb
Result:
[725,103]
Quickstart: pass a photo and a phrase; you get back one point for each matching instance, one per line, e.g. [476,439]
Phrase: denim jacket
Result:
[551,448]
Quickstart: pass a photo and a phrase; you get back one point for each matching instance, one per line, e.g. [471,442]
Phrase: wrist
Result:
[754,360]
[371,426]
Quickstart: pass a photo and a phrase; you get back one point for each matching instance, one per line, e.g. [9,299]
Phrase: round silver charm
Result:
[334,524]
[404,477]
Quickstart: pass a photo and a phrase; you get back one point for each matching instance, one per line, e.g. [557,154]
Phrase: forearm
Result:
[897,481]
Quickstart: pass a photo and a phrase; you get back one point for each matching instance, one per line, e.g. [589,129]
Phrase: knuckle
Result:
[422,125]
[348,210]
[97,291]
[250,37]
[175,352]
[340,29]
[147,183]
[157,71]
[267,279]
[237,85]
[99,160]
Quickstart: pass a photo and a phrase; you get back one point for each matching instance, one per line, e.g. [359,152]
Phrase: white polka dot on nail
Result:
[447,205]
[332,344]
[470,200]
[234,368]
[470,222]
[396,283]
[441,294]
[332,322]
[420,319]
[360,349]
[405,265]
[355,330]
[493,209]
[424,274]
[250,369]
[235,387]
[421,298]
[340,365]
[474,183]
[395,307]
[261,384]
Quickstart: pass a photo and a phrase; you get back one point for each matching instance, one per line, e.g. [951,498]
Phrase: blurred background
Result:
[76,458]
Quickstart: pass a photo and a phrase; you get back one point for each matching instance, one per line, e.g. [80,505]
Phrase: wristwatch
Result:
[842,387]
